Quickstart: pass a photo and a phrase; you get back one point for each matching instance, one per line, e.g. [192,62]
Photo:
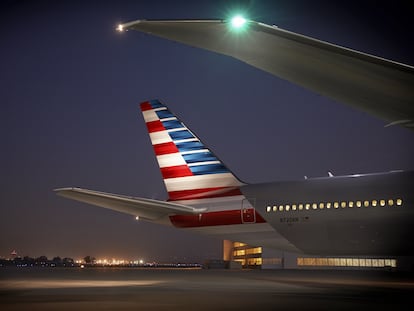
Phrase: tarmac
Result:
[197,289]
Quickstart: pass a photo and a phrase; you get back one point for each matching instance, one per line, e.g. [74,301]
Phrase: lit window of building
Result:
[248,256]
[254,261]
[255,250]
[347,262]
[240,252]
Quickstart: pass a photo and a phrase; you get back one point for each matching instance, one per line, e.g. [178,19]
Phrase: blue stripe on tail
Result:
[199,157]
[208,169]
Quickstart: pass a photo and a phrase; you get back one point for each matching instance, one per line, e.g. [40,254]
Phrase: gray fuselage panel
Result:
[348,215]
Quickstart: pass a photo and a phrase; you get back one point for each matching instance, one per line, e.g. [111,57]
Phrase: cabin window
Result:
[328,205]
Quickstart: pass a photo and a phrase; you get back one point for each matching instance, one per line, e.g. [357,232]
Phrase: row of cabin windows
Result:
[328,205]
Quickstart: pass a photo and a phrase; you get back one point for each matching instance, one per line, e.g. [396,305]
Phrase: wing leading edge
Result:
[146,208]
[376,85]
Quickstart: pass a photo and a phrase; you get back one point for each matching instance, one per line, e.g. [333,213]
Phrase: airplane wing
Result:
[146,208]
[376,85]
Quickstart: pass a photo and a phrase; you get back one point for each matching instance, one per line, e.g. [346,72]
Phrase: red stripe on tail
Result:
[146,106]
[165,148]
[221,218]
[155,126]
[203,193]
[176,171]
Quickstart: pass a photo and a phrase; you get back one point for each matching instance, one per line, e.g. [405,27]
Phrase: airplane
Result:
[378,86]
[364,214]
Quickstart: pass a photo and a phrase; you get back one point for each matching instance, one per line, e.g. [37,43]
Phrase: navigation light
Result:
[238,21]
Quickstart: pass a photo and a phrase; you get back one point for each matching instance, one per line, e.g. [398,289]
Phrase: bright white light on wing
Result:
[238,21]
[120,28]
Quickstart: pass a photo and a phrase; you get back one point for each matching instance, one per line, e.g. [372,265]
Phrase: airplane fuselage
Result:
[358,214]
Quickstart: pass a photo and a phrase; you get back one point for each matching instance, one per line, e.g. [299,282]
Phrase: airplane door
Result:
[248,213]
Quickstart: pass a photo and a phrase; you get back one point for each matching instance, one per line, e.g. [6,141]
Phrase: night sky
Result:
[70,89]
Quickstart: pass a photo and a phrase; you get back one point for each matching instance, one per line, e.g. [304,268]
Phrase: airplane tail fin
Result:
[189,169]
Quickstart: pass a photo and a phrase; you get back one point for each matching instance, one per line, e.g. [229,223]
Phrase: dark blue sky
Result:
[70,88]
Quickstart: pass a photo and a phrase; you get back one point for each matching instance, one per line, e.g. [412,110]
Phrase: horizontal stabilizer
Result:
[146,208]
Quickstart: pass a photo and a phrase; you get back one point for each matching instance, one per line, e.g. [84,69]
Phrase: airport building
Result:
[256,257]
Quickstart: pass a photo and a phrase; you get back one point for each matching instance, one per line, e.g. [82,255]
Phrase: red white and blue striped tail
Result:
[189,169]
